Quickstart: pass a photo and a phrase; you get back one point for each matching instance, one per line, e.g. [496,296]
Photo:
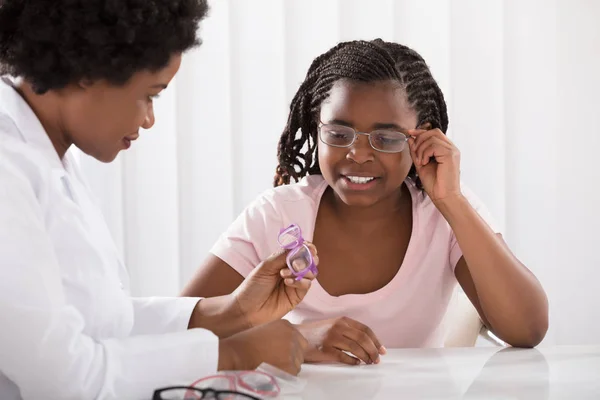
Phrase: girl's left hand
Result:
[437,161]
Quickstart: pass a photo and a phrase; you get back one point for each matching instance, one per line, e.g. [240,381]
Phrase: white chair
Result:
[463,325]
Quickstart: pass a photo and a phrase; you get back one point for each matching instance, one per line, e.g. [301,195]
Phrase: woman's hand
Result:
[271,291]
[329,340]
[277,343]
[437,161]
[267,294]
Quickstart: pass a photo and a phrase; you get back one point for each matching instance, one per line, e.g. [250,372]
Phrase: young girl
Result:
[379,195]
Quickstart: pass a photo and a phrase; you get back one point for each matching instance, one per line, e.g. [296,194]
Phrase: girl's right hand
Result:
[330,341]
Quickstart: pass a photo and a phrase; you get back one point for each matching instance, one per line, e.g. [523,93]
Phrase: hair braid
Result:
[365,61]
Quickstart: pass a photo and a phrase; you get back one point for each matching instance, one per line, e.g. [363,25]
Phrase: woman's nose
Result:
[149,120]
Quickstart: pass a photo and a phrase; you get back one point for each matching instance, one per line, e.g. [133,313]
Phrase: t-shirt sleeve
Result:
[251,238]
[484,213]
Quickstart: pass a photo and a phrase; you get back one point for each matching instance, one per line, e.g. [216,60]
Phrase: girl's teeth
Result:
[360,179]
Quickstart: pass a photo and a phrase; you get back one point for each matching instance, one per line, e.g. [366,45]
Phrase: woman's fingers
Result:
[313,248]
[302,284]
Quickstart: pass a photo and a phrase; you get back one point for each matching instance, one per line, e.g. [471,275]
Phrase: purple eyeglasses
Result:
[299,260]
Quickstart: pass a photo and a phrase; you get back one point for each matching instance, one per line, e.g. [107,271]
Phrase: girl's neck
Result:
[382,212]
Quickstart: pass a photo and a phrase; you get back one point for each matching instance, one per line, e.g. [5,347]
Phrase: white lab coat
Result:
[68,326]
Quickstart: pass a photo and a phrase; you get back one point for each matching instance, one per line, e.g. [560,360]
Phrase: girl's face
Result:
[359,174]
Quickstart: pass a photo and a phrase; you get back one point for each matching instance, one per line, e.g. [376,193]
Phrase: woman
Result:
[84,73]
[380,197]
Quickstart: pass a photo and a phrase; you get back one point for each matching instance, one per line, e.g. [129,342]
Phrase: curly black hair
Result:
[364,61]
[53,43]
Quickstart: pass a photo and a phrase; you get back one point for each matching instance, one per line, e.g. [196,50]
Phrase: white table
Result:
[469,373]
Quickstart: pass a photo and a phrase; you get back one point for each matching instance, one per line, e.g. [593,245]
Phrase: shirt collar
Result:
[27,123]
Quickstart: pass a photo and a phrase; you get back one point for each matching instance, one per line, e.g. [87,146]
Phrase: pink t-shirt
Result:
[407,312]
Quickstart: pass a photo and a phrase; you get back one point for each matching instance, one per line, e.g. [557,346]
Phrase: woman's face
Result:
[359,174]
[102,119]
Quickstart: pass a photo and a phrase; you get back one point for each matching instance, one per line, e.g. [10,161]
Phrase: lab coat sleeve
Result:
[43,347]
[162,314]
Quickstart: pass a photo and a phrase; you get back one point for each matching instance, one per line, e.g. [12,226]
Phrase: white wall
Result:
[576,267]
[522,85]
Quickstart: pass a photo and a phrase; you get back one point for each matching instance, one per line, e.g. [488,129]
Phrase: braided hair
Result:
[364,61]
